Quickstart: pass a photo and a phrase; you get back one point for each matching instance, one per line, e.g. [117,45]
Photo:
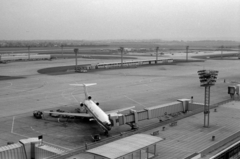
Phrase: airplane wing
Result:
[115,112]
[71,114]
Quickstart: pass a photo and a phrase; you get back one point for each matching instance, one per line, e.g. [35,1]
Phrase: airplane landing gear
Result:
[133,126]
[106,133]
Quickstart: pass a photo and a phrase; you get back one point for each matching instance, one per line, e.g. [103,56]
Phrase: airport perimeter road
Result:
[24,90]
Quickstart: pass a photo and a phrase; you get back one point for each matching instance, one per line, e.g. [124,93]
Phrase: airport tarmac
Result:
[23,90]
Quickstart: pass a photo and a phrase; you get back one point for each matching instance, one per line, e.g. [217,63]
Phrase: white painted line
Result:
[12,124]
[27,89]
[74,97]
[20,135]
[43,141]
[9,85]
[135,101]
[30,137]
[63,95]
[54,134]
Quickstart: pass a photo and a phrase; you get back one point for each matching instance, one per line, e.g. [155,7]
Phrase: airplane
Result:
[94,111]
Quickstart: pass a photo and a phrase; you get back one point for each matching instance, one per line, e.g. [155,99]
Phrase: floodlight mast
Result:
[62,49]
[121,50]
[207,79]
[76,52]
[28,52]
[222,52]
[239,51]
[187,47]
[157,48]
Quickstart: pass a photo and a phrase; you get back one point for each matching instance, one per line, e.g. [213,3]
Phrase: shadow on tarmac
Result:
[218,56]
[10,77]
[56,70]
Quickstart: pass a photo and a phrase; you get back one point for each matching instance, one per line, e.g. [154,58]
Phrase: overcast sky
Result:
[120,19]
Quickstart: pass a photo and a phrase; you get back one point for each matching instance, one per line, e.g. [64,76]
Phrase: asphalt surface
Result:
[24,90]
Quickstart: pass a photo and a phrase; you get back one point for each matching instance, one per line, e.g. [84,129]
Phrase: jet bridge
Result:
[164,111]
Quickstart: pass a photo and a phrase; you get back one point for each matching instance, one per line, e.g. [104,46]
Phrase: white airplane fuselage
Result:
[94,111]
[98,114]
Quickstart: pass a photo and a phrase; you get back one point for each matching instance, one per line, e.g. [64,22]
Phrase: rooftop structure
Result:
[189,136]
[125,146]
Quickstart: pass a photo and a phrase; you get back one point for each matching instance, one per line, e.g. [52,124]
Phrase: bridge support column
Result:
[134,125]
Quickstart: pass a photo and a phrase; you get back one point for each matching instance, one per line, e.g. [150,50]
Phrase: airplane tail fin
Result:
[85,87]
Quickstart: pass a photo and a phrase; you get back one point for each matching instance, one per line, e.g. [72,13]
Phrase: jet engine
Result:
[81,104]
[89,97]
[97,103]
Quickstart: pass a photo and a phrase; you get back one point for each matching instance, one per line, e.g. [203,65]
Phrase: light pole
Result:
[221,52]
[207,79]
[187,53]
[239,51]
[121,50]
[157,48]
[76,52]
[28,52]
[62,49]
